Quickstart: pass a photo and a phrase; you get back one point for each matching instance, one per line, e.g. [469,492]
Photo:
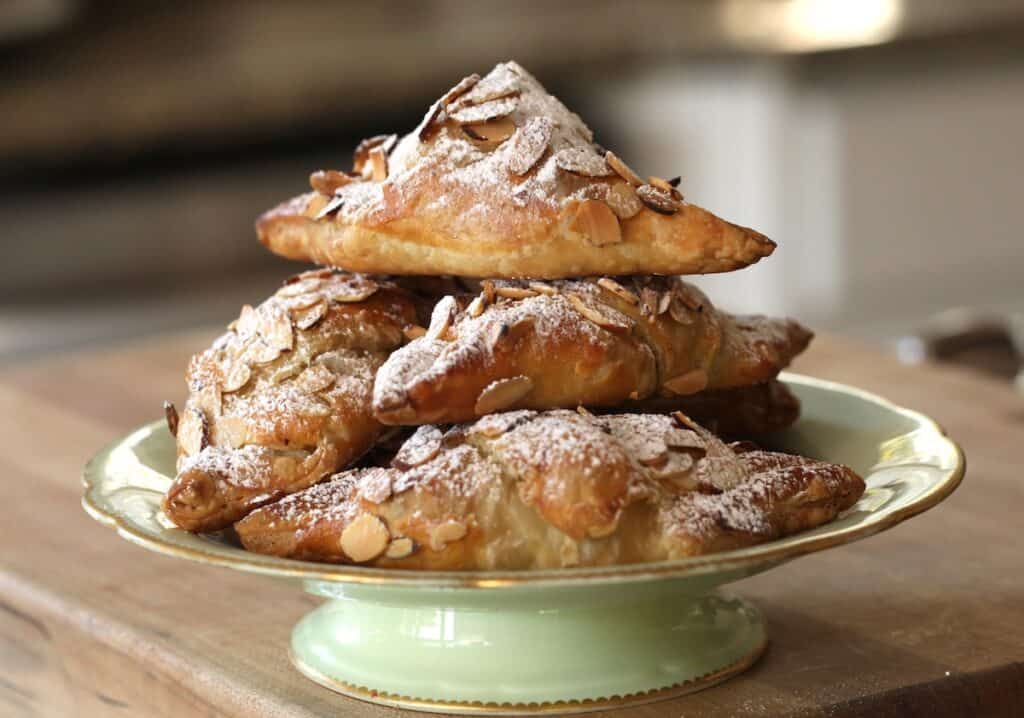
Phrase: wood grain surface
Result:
[924,620]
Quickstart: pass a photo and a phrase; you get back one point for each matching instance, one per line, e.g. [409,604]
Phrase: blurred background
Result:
[878,141]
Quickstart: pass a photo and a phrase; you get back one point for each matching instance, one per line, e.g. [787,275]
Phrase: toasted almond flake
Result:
[618,290]
[582,411]
[686,421]
[209,399]
[461,87]
[473,114]
[328,182]
[262,353]
[361,155]
[232,431]
[663,302]
[652,453]
[305,285]
[379,164]
[528,145]
[375,485]
[622,199]
[414,331]
[429,122]
[356,289]
[689,383]
[679,312]
[596,221]
[648,302]
[303,301]
[502,394]
[332,206]
[515,292]
[421,447]
[496,333]
[591,313]
[496,85]
[660,183]
[316,378]
[309,317]
[487,288]
[622,169]
[476,307]
[446,533]
[442,316]
[365,538]
[237,376]
[583,162]
[495,131]
[657,199]
[247,322]
[171,415]
[401,547]
[193,432]
[542,288]
[274,325]
[689,296]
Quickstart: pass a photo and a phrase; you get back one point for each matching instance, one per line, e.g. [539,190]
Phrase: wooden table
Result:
[924,620]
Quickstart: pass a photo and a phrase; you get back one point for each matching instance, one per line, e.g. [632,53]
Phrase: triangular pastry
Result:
[565,343]
[502,180]
[529,490]
[282,400]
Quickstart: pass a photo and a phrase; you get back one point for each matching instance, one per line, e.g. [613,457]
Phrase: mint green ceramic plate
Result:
[550,641]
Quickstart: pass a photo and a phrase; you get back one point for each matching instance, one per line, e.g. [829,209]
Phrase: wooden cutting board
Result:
[924,620]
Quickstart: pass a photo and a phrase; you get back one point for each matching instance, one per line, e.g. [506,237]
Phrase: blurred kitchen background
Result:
[878,141]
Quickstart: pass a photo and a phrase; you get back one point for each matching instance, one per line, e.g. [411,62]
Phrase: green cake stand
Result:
[550,641]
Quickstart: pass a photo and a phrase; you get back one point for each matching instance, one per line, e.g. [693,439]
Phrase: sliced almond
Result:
[461,88]
[501,394]
[476,307]
[351,289]
[618,290]
[689,295]
[594,315]
[333,205]
[660,183]
[328,182]
[361,157]
[231,431]
[653,452]
[236,377]
[474,114]
[494,425]
[401,547]
[498,84]
[171,415]
[378,164]
[494,132]
[496,333]
[582,161]
[649,302]
[663,302]
[487,288]
[442,317]
[247,322]
[193,432]
[316,378]
[427,125]
[657,199]
[300,285]
[365,538]
[419,448]
[275,326]
[596,221]
[309,317]
[582,411]
[622,169]
[528,145]
[303,301]
[375,485]
[262,353]
[515,292]
[446,533]
[413,331]
[622,199]
[543,288]
[689,383]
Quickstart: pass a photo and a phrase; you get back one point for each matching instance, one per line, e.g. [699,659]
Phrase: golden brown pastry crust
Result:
[453,197]
[528,490]
[282,400]
[561,344]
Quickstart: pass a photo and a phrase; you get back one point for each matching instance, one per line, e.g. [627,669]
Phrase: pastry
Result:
[500,179]
[529,490]
[282,400]
[561,344]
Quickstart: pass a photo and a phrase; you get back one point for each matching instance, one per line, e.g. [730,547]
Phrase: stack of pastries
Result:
[500,366]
